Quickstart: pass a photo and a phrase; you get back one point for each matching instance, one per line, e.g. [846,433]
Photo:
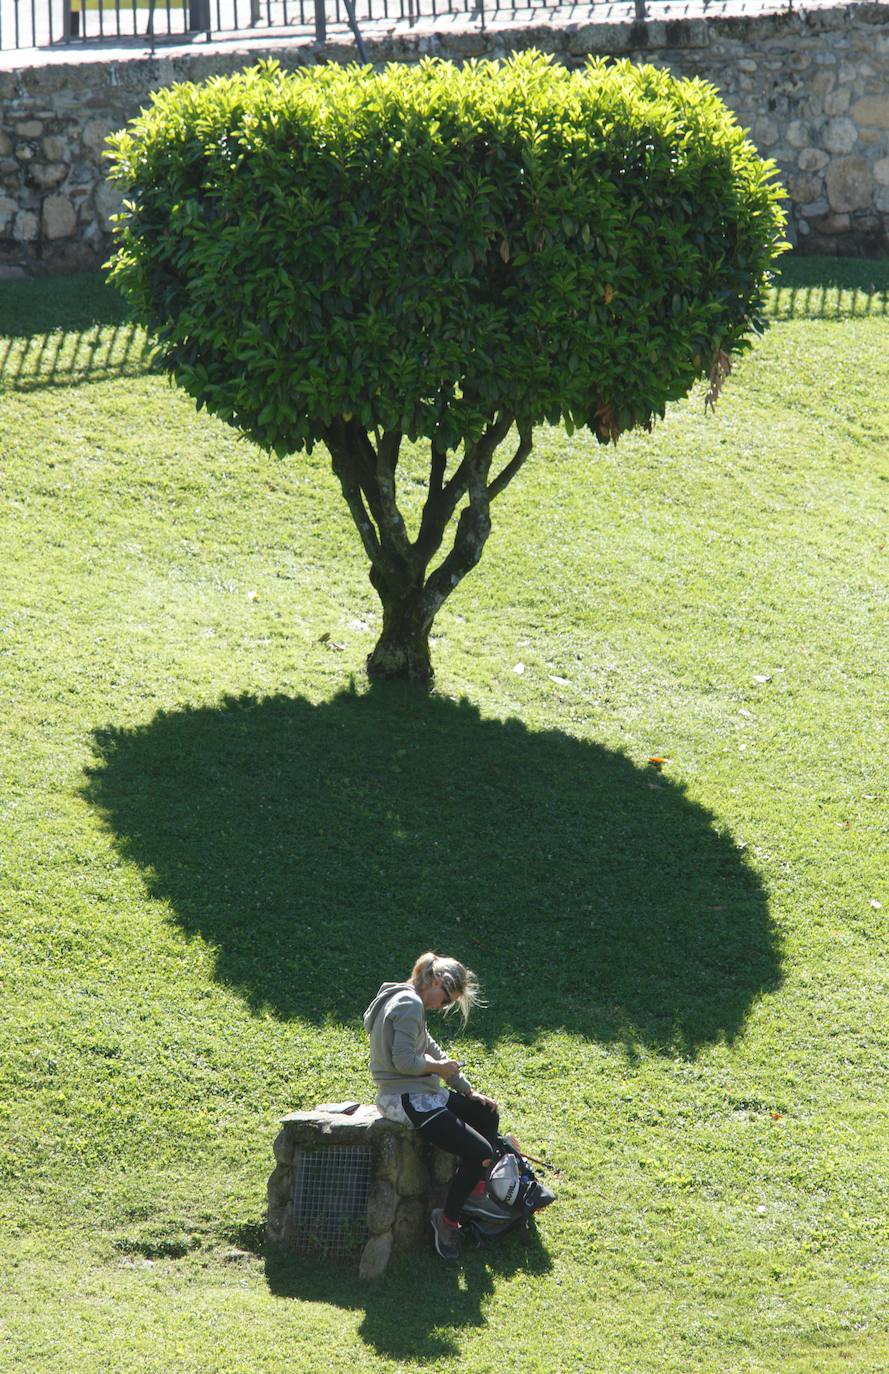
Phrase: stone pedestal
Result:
[379,1191]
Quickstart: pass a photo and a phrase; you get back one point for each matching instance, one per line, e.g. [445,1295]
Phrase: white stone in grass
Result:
[375,1256]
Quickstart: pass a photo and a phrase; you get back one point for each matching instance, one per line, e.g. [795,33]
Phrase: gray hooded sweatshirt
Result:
[396,1024]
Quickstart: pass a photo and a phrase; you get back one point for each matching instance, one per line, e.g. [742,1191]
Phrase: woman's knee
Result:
[489,1119]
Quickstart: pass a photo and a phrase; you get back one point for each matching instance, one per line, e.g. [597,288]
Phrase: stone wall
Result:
[408,1177]
[811,84]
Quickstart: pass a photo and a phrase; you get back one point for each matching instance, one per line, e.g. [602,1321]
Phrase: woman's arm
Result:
[448,1068]
[411,1054]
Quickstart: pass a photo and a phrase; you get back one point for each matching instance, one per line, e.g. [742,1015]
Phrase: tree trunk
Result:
[402,650]
[398,566]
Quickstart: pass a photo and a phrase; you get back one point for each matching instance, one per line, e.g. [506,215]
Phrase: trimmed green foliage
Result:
[425,248]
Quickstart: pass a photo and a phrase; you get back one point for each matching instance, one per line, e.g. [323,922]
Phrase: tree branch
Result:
[441,504]
[351,489]
[364,460]
[354,462]
[437,469]
[506,474]
[474,524]
[391,522]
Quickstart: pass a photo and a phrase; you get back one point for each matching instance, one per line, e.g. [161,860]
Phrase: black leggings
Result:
[466,1128]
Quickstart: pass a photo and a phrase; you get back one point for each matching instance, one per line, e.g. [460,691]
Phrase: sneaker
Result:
[447,1238]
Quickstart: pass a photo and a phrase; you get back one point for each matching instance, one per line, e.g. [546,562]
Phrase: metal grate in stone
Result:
[329,1202]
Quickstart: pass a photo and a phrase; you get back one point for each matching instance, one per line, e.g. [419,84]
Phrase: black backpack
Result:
[513,1193]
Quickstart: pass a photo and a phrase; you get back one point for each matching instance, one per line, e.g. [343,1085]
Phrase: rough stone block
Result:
[54,149]
[413,1176]
[280,1188]
[83,174]
[866,221]
[387,1158]
[850,184]
[873,110]
[26,227]
[283,1148]
[334,1128]
[382,1204]
[5,144]
[817,207]
[94,134]
[443,1166]
[822,81]
[799,134]
[47,174]
[881,171]
[766,132]
[410,1224]
[805,188]
[8,208]
[375,1256]
[29,128]
[837,102]
[840,135]
[813,160]
[832,224]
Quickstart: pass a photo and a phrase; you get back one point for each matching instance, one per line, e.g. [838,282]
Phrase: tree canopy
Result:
[443,254]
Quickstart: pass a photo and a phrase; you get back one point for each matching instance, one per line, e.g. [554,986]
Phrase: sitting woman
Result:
[407,1066]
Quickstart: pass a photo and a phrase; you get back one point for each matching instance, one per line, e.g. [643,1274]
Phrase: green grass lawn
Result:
[216,842]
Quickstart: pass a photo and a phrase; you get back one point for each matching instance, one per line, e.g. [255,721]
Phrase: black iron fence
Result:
[47,23]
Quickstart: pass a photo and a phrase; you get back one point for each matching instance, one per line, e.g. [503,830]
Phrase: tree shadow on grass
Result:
[319,848]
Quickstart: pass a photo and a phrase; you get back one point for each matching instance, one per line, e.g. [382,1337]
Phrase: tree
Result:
[441,255]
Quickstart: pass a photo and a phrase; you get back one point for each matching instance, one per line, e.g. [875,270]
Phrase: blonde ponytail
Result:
[458,981]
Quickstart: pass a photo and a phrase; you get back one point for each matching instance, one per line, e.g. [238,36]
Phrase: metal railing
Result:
[28,24]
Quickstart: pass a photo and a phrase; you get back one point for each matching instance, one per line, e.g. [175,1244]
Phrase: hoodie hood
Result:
[384,996]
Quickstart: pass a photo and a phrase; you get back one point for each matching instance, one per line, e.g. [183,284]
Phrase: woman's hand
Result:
[486,1102]
[447,1068]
